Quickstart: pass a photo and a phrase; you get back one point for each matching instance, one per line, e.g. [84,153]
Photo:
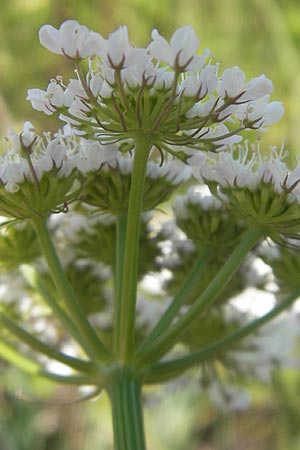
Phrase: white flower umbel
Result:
[257,189]
[203,218]
[275,345]
[37,174]
[167,91]
[109,175]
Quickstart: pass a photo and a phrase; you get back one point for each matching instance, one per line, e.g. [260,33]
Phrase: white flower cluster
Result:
[165,87]
[275,345]
[244,166]
[173,170]
[28,156]
[196,195]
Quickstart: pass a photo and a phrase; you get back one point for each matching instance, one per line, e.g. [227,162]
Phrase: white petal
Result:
[273,113]
[50,38]
[232,82]
[160,48]
[184,42]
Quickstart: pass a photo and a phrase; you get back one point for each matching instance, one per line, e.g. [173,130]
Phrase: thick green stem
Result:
[93,343]
[127,413]
[179,300]
[121,223]
[127,305]
[169,369]
[173,334]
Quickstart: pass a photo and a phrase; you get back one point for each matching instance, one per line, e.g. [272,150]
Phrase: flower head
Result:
[37,174]
[166,90]
[258,190]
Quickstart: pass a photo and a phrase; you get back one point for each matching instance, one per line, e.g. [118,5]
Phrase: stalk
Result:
[41,347]
[93,343]
[127,413]
[173,334]
[121,223]
[127,305]
[179,300]
[168,369]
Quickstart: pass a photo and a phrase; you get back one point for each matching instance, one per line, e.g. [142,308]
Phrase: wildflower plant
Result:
[140,124]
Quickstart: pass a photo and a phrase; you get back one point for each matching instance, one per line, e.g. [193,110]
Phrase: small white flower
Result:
[39,101]
[28,134]
[72,40]
[13,171]
[181,52]
[202,109]
[232,83]
[96,84]
[260,112]
[163,80]
[47,101]
[74,89]
[202,84]
[119,53]
[135,75]
[92,155]
[256,88]
[272,114]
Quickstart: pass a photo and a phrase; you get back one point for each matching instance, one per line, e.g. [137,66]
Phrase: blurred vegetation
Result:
[260,36]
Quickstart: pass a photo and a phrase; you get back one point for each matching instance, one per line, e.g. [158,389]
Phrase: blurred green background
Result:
[260,36]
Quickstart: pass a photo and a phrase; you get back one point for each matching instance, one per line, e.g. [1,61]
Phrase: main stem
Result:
[121,224]
[127,413]
[127,305]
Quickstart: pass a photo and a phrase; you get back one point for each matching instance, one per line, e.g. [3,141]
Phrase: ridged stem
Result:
[127,413]
[127,305]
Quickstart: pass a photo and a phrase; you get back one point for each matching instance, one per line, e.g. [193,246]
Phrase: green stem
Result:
[13,356]
[36,282]
[166,370]
[41,347]
[172,335]
[179,300]
[127,413]
[93,342]
[130,275]
[121,223]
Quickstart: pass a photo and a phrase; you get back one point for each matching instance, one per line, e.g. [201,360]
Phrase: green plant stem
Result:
[36,282]
[97,350]
[13,356]
[127,413]
[127,305]
[179,300]
[45,349]
[172,335]
[166,370]
[121,223]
